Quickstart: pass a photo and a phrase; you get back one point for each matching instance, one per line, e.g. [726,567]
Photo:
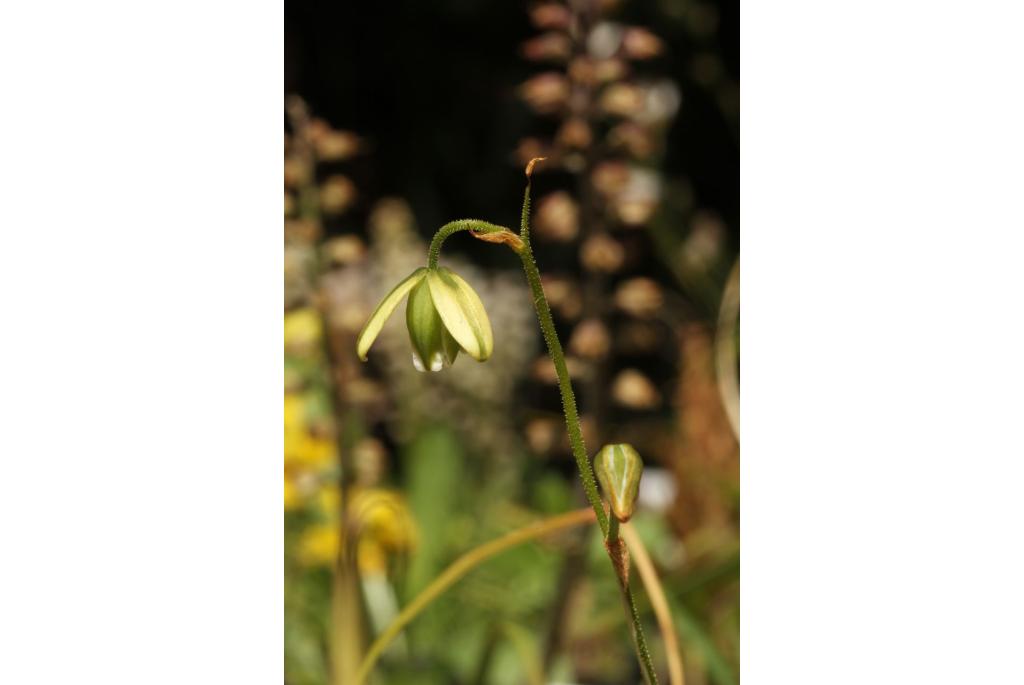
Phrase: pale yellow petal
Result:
[380,315]
[462,312]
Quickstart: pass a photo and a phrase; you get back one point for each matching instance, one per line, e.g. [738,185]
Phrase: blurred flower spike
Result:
[618,469]
[444,315]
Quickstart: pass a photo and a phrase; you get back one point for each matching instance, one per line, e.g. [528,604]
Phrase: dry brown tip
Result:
[502,237]
[529,166]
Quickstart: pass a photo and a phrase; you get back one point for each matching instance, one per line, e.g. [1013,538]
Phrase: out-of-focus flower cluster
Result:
[611,117]
[322,382]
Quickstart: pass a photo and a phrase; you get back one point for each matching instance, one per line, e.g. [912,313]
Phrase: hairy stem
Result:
[461,567]
[656,593]
[572,422]
[475,225]
[547,325]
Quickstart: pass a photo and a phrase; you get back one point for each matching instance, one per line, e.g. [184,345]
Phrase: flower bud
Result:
[443,315]
[618,469]
[433,347]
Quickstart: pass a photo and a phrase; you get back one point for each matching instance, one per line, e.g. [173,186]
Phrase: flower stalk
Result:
[616,550]
[445,315]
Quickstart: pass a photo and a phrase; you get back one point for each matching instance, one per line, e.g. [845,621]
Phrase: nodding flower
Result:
[444,315]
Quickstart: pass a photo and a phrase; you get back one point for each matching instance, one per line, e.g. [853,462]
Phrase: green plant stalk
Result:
[457,570]
[659,603]
[644,654]
[620,561]
[547,326]
[475,225]
[572,423]
[572,419]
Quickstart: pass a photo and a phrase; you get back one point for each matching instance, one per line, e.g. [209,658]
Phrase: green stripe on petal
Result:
[380,315]
[462,312]
[618,468]
[425,329]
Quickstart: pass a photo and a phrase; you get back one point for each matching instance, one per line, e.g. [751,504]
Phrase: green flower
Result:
[444,315]
[618,468]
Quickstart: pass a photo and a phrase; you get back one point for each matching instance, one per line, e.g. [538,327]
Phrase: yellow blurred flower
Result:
[318,545]
[385,528]
[301,448]
[293,413]
[385,524]
[292,496]
[329,501]
[302,331]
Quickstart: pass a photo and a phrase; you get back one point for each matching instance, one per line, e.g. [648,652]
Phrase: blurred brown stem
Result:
[458,569]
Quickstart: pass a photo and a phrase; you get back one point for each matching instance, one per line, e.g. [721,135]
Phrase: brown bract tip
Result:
[529,166]
[502,237]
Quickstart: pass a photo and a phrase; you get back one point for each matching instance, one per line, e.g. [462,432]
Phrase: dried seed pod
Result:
[547,93]
[575,134]
[622,100]
[583,70]
[553,47]
[634,139]
[610,178]
[336,146]
[590,340]
[641,297]
[639,198]
[301,231]
[608,70]
[557,217]
[634,390]
[551,15]
[296,172]
[602,253]
[337,194]
[639,43]
[346,249]
[618,468]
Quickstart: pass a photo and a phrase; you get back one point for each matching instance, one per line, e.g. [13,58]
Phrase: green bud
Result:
[618,469]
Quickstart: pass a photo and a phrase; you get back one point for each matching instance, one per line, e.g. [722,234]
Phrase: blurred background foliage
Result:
[402,116]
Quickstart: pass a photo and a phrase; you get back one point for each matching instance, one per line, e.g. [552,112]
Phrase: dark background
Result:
[432,87]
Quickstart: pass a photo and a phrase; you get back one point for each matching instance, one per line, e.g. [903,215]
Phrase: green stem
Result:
[572,422]
[475,225]
[547,325]
[572,419]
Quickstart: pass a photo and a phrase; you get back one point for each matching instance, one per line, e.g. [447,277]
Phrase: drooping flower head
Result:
[443,315]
